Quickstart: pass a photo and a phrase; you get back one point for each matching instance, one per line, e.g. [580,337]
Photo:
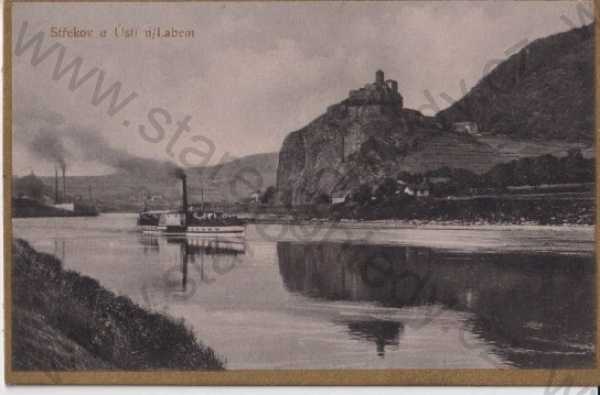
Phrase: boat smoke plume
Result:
[179,173]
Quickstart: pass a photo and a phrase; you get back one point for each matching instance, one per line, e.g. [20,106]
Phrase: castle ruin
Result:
[373,100]
[381,92]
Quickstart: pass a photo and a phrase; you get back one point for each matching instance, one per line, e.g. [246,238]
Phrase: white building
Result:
[65,206]
[418,190]
[466,127]
[339,197]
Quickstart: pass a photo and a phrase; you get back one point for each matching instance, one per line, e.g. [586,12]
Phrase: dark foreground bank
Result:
[65,321]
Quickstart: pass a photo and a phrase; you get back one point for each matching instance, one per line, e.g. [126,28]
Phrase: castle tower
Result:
[379,78]
[393,85]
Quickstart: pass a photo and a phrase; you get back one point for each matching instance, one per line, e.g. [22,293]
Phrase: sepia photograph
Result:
[300,192]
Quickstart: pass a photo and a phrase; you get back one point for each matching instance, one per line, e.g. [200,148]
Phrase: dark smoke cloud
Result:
[46,134]
[92,146]
[49,146]
[61,144]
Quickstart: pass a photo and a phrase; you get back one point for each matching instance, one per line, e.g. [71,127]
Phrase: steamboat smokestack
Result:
[180,174]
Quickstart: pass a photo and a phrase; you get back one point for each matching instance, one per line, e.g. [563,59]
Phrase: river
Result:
[316,297]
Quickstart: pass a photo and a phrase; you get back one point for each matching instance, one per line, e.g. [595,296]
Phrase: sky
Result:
[252,73]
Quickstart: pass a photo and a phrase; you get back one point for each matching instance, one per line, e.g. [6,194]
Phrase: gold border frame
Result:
[545,377]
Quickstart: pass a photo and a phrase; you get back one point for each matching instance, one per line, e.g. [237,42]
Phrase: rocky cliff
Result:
[365,137]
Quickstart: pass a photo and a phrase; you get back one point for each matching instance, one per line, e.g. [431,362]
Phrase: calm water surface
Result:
[315,297]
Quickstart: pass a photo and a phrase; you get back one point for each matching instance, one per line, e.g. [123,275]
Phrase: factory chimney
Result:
[64,184]
[184,198]
[55,185]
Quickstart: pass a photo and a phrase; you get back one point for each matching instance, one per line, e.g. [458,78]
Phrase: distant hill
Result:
[236,180]
[545,91]
[228,182]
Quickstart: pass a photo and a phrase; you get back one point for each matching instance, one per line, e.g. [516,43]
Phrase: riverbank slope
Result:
[65,321]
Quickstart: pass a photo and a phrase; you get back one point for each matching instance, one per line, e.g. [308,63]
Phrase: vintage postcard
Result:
[296,192]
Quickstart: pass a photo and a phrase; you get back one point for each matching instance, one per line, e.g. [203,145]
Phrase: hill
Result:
[545,91]
[128,190]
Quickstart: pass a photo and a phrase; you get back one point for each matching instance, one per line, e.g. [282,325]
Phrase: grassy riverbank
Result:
[66,321]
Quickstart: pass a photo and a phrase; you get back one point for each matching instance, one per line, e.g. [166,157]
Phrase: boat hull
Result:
[193,230]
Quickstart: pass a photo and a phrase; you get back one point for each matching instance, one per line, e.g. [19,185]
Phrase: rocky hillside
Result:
[545,91]
[365,137]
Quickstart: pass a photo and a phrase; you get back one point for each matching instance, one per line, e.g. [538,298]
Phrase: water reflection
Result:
[149,242]
[534,309]
[197,252]
[292,305]
[382,332]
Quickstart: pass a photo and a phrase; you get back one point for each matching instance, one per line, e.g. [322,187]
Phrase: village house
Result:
[339,197]
[255,196]
[400,186]
[421,189]
[466,127]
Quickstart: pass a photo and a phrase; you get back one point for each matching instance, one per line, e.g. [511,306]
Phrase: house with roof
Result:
[339,197]
[401,186]
[467,127]
[421,189]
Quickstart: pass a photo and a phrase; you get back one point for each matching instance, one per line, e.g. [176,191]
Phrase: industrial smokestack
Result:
[184,197]
[55,185]
[64,169]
